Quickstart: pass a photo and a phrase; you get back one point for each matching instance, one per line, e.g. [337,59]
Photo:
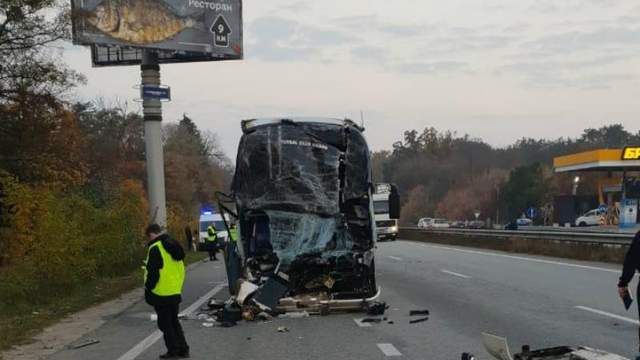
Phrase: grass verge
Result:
[20,323]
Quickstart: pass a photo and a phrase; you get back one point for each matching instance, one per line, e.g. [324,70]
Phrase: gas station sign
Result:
[631,153]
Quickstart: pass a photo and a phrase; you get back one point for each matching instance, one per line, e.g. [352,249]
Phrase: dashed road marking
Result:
[608,314]
[394,258]
[587,267]
[143,345]
[455,274]
[389,350]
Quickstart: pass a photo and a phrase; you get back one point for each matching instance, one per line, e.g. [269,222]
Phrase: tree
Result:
[527,187]
[26,65]
[417,206]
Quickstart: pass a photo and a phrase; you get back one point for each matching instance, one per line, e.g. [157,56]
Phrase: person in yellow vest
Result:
[163,281]
[212,242]
[233,233]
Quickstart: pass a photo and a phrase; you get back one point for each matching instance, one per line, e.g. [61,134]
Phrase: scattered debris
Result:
[390,322]
[215,304]
[207,324]
[377,308]
[419,312]
[294,315]
[84,343]
[371,320]
[415,321]
[283,329]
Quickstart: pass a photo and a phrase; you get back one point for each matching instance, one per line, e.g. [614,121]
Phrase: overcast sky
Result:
[495,69]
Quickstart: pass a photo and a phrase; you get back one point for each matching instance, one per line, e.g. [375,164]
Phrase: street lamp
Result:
[576,181]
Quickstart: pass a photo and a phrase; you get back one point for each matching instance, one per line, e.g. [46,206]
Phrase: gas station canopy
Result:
[627,159]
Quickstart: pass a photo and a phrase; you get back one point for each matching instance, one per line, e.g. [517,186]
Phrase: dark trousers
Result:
[213,249]
[170,326]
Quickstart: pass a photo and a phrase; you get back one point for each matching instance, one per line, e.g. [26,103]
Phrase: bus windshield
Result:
[381,207]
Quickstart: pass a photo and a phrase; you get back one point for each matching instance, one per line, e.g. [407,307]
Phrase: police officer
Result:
[163,280]
[212,242]
[233,233]
[631,265]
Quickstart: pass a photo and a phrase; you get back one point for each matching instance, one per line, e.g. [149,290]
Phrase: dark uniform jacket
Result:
[631,262]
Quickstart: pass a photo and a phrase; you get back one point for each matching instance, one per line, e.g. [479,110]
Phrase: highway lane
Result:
[531,300]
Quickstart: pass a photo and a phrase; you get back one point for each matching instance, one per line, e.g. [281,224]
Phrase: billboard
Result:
[193,28]
[109,55]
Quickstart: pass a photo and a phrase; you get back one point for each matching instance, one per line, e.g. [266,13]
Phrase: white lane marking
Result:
[394,258]
[524,258]
[389,350]
[362,324]
[156,335]
[604,313]
[455,274]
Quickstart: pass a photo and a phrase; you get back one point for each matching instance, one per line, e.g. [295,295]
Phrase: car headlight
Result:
[394,229]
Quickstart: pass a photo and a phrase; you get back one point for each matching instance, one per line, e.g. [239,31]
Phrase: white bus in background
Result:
[386,227]
[211,218]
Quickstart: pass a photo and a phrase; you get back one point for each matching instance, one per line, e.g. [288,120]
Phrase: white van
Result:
[209,218]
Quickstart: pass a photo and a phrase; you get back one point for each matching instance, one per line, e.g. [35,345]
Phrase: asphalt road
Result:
[531,300]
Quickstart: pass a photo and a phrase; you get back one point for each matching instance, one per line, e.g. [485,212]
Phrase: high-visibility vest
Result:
[171,274]
[233,234]
[212,236]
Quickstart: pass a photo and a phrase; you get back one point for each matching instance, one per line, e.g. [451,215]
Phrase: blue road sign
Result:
[531,212]
[603,208]
[156,92]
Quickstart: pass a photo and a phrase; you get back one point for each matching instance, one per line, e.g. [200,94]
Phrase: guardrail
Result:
[566,236]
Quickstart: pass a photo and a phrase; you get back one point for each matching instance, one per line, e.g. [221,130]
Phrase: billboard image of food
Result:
[190,25]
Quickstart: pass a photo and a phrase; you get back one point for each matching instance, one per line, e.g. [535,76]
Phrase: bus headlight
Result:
[394,228]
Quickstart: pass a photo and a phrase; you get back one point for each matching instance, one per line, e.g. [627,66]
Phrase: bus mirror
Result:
[394,203]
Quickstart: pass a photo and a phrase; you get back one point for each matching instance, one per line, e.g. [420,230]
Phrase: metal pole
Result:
[152,110]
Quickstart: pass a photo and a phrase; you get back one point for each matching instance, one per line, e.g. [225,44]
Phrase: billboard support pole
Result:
[152,111]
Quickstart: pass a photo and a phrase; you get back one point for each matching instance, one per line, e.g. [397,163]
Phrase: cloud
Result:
[279,39]
[368,53]
[433,68]
[576,41]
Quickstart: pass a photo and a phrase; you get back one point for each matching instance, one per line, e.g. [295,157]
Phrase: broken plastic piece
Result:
[207,324]
[415,321]
[215,304]
[371,320]
[294,315]
[246,289]
[419,312]
[283,329]
[271,292]
[377,308]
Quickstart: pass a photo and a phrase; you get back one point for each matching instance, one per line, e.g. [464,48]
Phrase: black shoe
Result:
[169,355]
[184,355]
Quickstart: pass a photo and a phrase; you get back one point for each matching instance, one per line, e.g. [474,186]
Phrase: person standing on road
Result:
[163,280]
[212,242]
[631,265]
[189,236]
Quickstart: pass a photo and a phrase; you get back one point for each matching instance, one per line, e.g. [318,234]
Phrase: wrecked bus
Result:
[302,191]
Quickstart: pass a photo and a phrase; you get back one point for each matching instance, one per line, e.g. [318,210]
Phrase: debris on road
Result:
[371,320]
[377,308]
[83,344]
[419,312]
[415,321]
[283,329]
[499,348]
[207,324]
[294,315]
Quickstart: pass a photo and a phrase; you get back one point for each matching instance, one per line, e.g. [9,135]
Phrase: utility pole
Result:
[152,111]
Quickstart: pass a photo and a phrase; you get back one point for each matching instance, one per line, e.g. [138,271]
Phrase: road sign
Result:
[603,208]
[221,32]
[211,27]
[148,92]
[532,212]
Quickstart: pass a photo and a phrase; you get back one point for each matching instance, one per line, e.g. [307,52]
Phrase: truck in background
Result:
[386,227]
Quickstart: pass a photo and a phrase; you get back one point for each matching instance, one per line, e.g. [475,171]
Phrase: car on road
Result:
[424,222]
[439,224]
[524,222]
[476,224]
[591,218]
[458,224]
